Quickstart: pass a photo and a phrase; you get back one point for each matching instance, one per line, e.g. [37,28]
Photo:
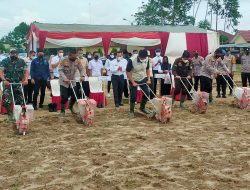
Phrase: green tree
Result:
[17,37]
[163,12]
[231,13]
[223,39]
[204,24]
[2,48]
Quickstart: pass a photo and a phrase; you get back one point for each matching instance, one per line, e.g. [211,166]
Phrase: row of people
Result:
[35,71]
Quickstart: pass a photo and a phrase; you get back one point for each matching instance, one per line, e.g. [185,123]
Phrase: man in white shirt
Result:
[107,67]
[157,60]
[95,66]
[28,89]
[55,62]
[118,68]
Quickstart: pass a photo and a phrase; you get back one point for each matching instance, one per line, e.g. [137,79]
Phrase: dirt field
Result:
[193,151]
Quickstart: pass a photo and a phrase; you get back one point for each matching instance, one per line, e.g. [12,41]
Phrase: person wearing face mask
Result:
[231,65]
[107,67]
[208,71]
[221,66]
[95,66]
[165,68]
[55,62]
[28,89]
[85,84]
[13,70]
[135,53]
[138,73]
[182,70]
[40,74]
[157,60]
[89,56]
[197,61]
[245,69]
[117,69]
[67,70]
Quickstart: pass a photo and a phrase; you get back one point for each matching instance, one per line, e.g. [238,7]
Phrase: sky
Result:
[12,12]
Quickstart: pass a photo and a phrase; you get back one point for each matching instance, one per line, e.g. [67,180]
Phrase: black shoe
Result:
[224,96]
[117,105]
[99,106]
[230,94]
[35,107]
[102,106]
[218,96]
[121,104]
[40,106]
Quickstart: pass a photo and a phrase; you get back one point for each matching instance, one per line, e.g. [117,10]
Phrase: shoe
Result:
[121,104]
[182,105]
[62,113]
[10,118]
[224,96]
[35,107]
[131,115]
[40,106]
[117,105]
[218,96]
[230,94]
[99,106]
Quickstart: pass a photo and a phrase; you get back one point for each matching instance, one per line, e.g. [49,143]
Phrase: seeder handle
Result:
[228,83]
[147,95]
[186,88]
[12,93]
[73,89]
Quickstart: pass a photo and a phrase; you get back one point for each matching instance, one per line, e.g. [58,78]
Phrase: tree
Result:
[231,13]
[216,8]
[2,48]
[163,12]
[204,24]
[17,37]
[223,39]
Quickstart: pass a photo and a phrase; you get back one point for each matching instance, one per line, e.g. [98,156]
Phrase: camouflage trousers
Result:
[7,97]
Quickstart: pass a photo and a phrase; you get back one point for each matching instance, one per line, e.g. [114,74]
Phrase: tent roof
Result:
[115,28]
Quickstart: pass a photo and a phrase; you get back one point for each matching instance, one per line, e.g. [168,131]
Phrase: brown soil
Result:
[193,151]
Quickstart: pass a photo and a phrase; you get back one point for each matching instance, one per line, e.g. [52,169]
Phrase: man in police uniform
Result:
[197,61]
[182,70]
[245,69]
[209,71]
[138,74]
[67,69]
[231,65]
[13,70]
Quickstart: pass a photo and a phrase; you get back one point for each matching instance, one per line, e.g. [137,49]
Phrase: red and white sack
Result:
[164,108]
[87,110]
[242,97]
[200,100]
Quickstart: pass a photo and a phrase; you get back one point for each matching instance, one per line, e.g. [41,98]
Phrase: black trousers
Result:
[165,88]
[40,85]
[221,84]
[66,93]
[155,81]
[28,92]
[118,86]
[125,88]
[179,86]
[244,78]
[133,91]
[109,86]
[85,86]
[196,82]
[206,84]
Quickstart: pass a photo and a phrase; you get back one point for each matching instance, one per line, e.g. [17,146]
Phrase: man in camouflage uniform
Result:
[13,70]
[67,70]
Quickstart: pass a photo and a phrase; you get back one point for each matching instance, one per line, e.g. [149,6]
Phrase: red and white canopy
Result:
[173,40]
